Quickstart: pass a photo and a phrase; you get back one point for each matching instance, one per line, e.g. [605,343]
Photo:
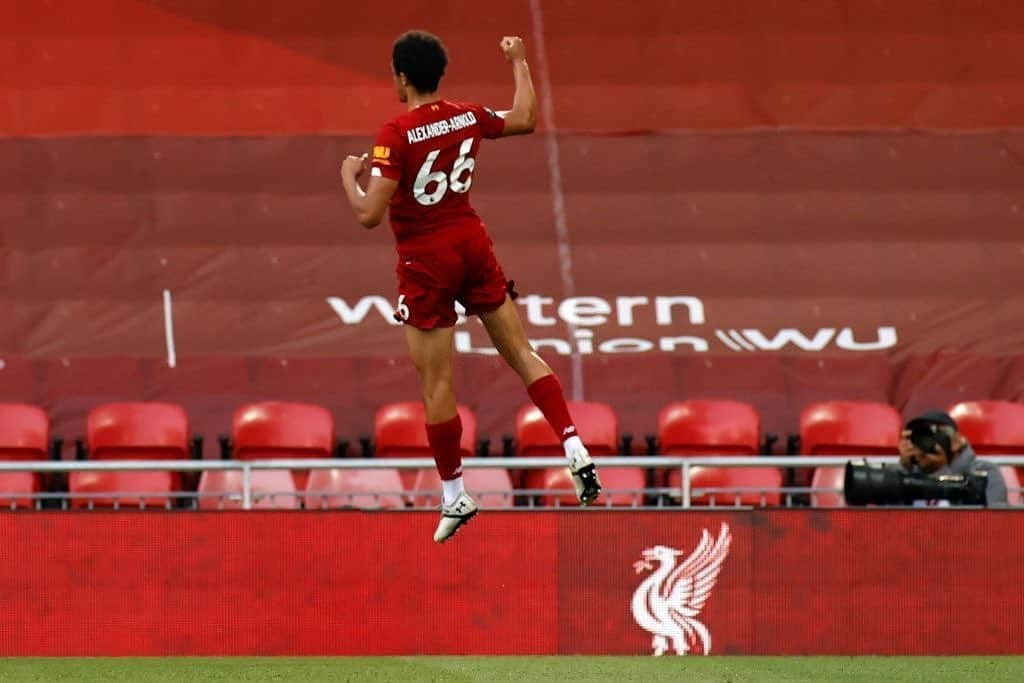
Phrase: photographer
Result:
[949,453]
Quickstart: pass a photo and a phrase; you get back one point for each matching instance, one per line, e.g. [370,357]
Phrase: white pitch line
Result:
[172,359]
[547,113]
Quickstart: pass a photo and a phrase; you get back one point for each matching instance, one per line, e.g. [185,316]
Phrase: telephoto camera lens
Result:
[873,483]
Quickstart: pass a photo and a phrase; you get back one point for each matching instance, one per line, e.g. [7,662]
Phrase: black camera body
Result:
[872,483]
[928,436]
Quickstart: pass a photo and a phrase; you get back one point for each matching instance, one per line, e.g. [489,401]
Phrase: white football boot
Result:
[584,474]
[454,516]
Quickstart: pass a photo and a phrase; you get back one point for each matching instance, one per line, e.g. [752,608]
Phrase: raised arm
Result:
[522,117]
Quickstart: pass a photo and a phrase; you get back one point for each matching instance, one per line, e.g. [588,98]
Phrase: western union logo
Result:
[381,152]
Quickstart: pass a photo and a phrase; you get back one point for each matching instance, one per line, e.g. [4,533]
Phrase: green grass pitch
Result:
[519,669]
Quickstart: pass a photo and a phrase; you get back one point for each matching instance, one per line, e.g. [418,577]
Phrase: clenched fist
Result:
[354,167]
[513,48]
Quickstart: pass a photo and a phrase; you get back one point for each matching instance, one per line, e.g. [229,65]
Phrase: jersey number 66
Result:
[459,180]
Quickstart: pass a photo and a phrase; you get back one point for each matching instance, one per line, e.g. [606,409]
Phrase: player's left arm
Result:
[521,119]
[370,204]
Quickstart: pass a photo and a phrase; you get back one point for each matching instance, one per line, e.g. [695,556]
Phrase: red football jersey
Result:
[431,152]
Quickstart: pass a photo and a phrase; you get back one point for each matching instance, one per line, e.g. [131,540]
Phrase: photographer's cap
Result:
[935,417]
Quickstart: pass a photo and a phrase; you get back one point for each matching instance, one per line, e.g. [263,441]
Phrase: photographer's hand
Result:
[908,451]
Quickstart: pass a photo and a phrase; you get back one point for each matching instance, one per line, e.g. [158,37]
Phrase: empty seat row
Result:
[376,488]
[151,431]
[273,430]
[288,430]
[692,427]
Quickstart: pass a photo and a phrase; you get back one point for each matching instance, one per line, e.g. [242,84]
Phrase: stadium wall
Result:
[790,582]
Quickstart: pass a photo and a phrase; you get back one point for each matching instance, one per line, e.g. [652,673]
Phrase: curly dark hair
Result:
[421,57]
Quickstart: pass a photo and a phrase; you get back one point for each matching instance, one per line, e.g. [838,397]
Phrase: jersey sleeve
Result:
[386,159]
[491,124]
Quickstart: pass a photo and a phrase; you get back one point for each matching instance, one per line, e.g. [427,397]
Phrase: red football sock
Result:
[547,395]
[444,439]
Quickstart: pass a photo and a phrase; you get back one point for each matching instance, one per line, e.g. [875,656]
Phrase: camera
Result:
[927,435]
[872,483]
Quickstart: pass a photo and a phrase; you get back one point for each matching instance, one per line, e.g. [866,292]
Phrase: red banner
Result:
[713,280]
[780,582]
[306,66]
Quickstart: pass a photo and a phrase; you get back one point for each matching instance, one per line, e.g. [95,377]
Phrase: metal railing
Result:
[685,494]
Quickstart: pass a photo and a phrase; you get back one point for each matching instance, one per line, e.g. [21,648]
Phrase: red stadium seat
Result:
[400,432]
[123,489]
[596,423]
[367,489]
[490,487]
[709,427]
[24,435]
[754,486]
[271,490]
[279,430]
[849,428]
[24,432]
[137,431]
[132,431]
[992,427]
[828,478]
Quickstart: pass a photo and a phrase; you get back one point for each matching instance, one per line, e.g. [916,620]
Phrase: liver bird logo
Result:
[667,603]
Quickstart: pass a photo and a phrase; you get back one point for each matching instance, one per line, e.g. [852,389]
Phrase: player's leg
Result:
[431,352]
[426,304]
[508,336]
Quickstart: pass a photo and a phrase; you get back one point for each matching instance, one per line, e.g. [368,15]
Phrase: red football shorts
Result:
[430,283]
